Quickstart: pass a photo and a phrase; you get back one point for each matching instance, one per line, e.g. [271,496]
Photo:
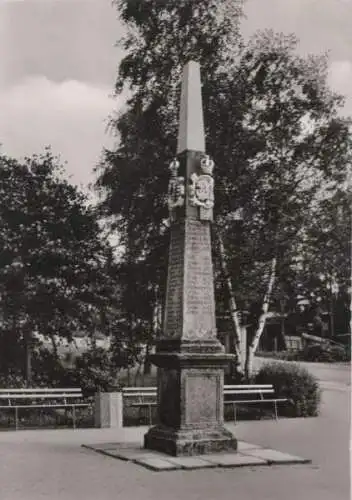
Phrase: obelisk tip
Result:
[191,124]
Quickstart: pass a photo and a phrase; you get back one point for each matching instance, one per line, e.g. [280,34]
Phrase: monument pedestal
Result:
[190,400]
[189,442]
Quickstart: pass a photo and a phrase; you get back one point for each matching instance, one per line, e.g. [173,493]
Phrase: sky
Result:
[58,63]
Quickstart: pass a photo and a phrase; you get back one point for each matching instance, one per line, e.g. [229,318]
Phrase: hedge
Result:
[294,383]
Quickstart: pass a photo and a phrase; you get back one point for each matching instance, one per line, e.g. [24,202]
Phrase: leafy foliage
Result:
[96,371]
[162,37]
[295,147]
[48,370]
[54,267]
[272,127]
[13,380]
[326,354]
[294,383]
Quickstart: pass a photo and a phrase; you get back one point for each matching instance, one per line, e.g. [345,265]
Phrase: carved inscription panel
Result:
[174,294]
[203,398]
[199,285]
[190,305]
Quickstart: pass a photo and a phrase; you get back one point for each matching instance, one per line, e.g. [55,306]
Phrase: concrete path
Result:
[45,464]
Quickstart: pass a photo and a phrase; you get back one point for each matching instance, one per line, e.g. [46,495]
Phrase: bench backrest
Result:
[248,386]
[132,390]
[41,390]
[140,392]
[40,393]
[249,389]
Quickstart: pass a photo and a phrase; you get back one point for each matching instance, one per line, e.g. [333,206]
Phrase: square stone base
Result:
[247,455]
[189,442]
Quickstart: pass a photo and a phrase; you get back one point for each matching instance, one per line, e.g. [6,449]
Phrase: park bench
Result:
[145,397]
[141,398]
[251,394]
[48,398]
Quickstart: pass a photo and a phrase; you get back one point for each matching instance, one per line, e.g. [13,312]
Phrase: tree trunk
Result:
[234,313]
[282,332]
[54,343]
[331,308]
[261,322]
[147,366]
[155,328]
[137,375]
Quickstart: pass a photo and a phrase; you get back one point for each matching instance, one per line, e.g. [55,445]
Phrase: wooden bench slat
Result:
[145,403]
[39,396]
[132,391]
[144,388]
[248,386]
[40,390]
[244,391]
[136,395]
[62,405]
[239,401]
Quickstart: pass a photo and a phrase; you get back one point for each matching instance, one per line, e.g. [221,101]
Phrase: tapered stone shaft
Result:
[191,135]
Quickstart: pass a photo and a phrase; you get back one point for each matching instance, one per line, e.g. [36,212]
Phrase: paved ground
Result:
[246,455]
[52,464]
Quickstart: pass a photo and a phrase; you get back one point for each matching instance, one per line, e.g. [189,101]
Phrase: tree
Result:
[324,269]
[299,148]
[134,178]
[54,267]
[272,127]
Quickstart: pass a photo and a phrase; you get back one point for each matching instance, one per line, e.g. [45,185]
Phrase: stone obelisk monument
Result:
[189,356]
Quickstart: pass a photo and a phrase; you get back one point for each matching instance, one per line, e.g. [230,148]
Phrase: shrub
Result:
[324,353]
[341,353]
[281,355]
[13,380]
[48,371]
[95,371]
[294,383]
[234,378]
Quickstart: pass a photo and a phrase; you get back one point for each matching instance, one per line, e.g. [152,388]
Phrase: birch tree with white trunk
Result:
[262,320]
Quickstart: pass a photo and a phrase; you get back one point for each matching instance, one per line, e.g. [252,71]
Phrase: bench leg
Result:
[235,413]
[276,415]
[74,417]
[16,418]
[150,415]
